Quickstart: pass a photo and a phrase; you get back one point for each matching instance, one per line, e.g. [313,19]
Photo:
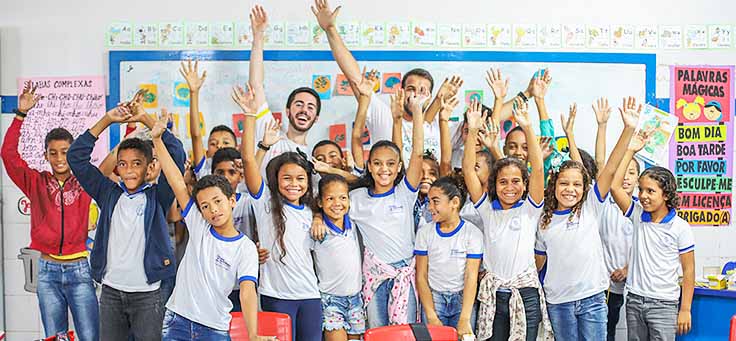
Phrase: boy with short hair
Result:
[217,256]
[132,254]
[58,231]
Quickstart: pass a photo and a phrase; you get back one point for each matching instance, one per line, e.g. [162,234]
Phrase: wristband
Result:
[263,146]
[20,113]
[521,94]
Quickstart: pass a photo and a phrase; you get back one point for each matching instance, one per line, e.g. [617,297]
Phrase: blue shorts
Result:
[343,312]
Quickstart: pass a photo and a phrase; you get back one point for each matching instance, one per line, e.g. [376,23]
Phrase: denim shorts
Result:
[343,312]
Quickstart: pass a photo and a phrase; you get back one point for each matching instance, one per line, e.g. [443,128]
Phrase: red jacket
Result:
[55,229]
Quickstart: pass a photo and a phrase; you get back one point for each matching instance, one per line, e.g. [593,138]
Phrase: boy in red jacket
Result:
[59,225]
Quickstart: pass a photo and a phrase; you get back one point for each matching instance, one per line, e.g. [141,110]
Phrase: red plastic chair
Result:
[403,332]
[69,335]
[733,329]
[269,324]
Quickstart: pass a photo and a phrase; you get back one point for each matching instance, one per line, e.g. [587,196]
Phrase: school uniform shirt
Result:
[293,277]
[575,266]
[211,265]
[126,245]
[385,220]
[379,122]
[203,168]
[616,234]
[656,253]
[468,212]
[338,259]
[242,215]
[509,236]
[447,253]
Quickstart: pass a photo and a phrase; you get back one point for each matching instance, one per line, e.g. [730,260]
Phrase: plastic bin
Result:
[30,259]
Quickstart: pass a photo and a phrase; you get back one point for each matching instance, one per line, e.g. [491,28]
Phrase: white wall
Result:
[62,38]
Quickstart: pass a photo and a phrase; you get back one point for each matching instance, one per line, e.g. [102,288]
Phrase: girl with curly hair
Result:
[568,238]
[656,306]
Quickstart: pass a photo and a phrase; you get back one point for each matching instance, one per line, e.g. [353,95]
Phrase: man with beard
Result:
[302,106]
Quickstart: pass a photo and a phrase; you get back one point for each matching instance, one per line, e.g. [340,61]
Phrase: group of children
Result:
[447,229]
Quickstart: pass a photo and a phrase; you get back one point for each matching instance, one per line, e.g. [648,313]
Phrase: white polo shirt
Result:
[509,236]
[386,221]
[211,264]
[242,214]
[655,256]
[575,266]
[447,253]
[293,277]
[338,260]
[616,233]
[126,244]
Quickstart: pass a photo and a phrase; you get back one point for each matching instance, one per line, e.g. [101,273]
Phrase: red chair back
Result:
[732,334]
[403,332]
[69,335]
[269,324]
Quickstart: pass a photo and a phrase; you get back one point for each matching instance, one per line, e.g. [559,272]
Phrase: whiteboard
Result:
[581,78]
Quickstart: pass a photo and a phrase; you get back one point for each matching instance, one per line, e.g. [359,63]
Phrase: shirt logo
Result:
[221,262]
[457,253]
[140,210]
[395,208]
[515,224]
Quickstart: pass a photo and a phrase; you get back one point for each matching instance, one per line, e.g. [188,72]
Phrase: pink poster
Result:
[73,103]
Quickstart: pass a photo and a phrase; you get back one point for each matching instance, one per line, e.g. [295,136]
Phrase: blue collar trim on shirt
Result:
[497,204]
[225,239]
[563,212]
[646,217]
[453,232]
[296,207]
[389,192]
[140,189]
[335,228]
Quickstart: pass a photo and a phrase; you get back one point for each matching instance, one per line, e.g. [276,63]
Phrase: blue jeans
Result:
[584,319]
[179,328]
[306,316]
[448,306]
[377,311]
[343,312]
[63,287]
[502,318]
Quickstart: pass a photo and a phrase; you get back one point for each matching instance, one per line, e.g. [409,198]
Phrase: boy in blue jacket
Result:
[132,252]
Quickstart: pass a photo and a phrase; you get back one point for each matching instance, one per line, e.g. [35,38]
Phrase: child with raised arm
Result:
[132,252]
[569,239]
[283,204]
[657,307]
[616,229]
[510,292]
[217,255]
[59,224]
[448,255]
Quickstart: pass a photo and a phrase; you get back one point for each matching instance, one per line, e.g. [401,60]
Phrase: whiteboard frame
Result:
[648,60]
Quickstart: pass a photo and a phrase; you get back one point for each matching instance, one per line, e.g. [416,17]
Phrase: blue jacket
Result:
[158,257]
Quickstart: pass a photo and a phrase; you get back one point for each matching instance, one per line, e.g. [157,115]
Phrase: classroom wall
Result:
[66,38]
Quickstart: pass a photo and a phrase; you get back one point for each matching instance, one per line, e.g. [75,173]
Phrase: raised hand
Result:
[521,113]
[630,112]
[28,98]
[489,135]
[245,100]
[258,19]
[450,87]
[475,119]
[325,17]
[136,106]
[320,167]
[539,84]
[496,82]
[160,126]
[416,104]
[367,83]
[568,123]
[397,104]
[602,110]
[191,75]
[447,106]
[545,142]
[640,140]
[272,134]
[119,114]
